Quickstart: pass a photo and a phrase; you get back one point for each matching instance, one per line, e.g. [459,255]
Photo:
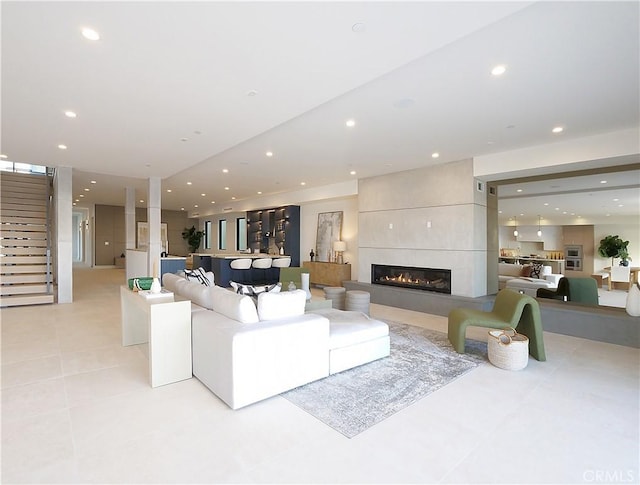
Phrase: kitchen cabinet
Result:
[280,226]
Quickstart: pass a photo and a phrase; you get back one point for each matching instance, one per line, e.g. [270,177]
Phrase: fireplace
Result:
[428,279]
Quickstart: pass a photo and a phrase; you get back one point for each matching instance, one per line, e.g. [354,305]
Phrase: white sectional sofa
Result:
[245,352]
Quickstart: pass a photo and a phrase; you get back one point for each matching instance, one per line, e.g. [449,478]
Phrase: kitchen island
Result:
[219,264]
[557,265]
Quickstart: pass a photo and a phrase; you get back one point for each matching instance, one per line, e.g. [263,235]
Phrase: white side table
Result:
[166,325]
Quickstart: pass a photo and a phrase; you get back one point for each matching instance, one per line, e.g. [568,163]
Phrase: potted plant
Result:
[193,238]
[613,247]
[624,257]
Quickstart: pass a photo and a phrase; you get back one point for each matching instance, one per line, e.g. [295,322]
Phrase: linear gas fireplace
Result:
[428,279]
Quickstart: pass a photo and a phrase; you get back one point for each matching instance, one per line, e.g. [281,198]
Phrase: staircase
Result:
[25,273]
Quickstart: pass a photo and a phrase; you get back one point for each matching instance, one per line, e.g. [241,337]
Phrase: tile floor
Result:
[77,408]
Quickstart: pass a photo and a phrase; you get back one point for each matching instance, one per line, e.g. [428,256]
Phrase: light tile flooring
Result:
[77,408]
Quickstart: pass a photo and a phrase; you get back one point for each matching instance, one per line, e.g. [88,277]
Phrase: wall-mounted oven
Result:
[573,264]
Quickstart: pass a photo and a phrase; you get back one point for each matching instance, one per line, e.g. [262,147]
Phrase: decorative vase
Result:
[155,286]
[304,277]
[633,301]
[292,286]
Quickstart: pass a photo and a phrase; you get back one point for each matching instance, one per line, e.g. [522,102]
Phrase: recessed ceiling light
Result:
[213,201]
[603,181]
[557,208]
[62,147]
[226,188]
[81,195]
[189,183]
[353,172]
[169,190]
[620,205]
[233,198]
[74,203]
[303,183]
[203,195]
[521,214]
[269,154]
[94,182]
[259,192]
[435,155]
[3,155]
[196,206]
[546,203]
[499,70]
[518,190]
[350,123]
[616,200]
[181,208]
[87,190]
[225,170]
[499,212]
[70,114]
[558,129]
[77,200]
[142,201]
[90,34]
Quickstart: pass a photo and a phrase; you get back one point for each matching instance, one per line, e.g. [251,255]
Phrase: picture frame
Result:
[329,230]
[143,236]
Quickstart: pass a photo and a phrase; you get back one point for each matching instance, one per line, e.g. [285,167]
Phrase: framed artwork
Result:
[143,236]
[329,230]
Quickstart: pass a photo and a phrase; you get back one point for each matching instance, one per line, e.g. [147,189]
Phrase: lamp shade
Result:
[339,246]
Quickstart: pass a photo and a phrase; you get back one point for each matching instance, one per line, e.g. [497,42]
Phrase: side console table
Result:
[166,325]
[327,274]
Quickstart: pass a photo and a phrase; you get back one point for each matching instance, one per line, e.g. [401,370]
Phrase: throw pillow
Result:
[255,290]
[536,269]
[526,271]
[203,277]
[281,305]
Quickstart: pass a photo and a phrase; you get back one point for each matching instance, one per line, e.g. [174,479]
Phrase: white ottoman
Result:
[529,286]
[358,301]
[354,339]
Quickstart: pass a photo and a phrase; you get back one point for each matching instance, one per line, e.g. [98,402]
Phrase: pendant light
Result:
[515,225]
[539,230]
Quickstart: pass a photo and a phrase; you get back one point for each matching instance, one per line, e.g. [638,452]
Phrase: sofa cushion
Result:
[197,293]
[232,305]
[526,271]
[272,306]
[351,328]
[508,269]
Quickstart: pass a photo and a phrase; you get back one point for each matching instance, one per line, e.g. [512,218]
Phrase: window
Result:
[207,234]
[241,233]
[222,234]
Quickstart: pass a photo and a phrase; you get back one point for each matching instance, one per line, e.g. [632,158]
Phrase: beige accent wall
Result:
[433,217]
[110,228]
[581,235]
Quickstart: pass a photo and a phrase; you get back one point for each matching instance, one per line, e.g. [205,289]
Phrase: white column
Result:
[63,192]
[153,218]
[130,217]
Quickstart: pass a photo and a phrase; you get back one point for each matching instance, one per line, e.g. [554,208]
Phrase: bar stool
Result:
[279,263]
[263,264]
[337,296]
[239,268]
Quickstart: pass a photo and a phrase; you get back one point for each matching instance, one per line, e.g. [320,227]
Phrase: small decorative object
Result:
[312,254]
[624,257]
[155,286]
[339,247]
[282,250]
[304,277]
[633,301]
[292,286]
[508,349]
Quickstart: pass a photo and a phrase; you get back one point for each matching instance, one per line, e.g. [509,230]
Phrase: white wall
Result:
[627,232]
[309,224]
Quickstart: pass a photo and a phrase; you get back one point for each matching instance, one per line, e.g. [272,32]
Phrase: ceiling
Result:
[198,92]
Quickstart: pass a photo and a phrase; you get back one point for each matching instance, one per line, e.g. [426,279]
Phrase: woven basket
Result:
[508,349]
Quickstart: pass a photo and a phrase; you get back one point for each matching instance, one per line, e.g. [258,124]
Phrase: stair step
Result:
[22,268]
[22,234]
[20,300]
[9,251]
[21,289]
[24,243]
[24,278]
[4,218]
[23,259]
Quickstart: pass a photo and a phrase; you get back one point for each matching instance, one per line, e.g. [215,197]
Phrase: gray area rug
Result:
[421,362]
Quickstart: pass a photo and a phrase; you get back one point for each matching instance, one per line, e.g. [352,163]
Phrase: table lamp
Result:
[339,247]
